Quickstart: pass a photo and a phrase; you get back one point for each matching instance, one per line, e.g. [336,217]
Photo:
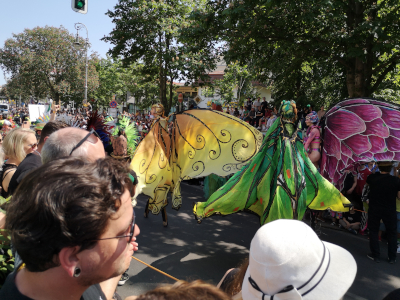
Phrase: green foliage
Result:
[235,77]
[350,44]
[388,95]
[143,86]
[6,258]
[43,62]
[149,32]
[112,77]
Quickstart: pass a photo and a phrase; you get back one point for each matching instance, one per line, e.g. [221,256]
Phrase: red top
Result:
[361,180]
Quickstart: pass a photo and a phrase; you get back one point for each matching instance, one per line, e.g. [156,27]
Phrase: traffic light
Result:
[80,6]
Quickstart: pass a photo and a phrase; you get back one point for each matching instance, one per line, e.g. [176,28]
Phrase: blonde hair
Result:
[182,290]
[13,143]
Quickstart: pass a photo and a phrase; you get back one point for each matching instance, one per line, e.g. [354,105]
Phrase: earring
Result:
[77,272]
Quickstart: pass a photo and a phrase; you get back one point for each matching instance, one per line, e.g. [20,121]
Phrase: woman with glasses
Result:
[18,143]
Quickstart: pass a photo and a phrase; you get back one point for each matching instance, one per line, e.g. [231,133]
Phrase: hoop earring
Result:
[77,272]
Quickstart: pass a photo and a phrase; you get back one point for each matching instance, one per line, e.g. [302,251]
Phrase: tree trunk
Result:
[171,93]
[359,80]
[350,76]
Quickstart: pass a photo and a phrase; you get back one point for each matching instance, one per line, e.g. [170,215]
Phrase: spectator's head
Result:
[370,165]
[322,107]
[75,217]
[385,166]
[298,266]
[183,290]
[252,108]
[18,143]
[48,129]
[78,141]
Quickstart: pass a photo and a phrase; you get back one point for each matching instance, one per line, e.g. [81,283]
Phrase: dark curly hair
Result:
[64,203]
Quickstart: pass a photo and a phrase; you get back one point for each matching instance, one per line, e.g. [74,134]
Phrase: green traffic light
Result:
[80,4]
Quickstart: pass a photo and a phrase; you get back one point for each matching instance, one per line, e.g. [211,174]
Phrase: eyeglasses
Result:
[33,146]
[130,235]
[91,137]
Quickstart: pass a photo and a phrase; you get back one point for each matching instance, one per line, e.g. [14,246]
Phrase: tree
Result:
[235,77]
[112,76]
[358,38]
[142,86]
[43,62]
[148,32]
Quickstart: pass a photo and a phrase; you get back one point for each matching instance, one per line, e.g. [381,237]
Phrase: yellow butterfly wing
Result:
[205,142]
[151,165]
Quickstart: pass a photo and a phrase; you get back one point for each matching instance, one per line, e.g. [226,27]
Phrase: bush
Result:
[6,257]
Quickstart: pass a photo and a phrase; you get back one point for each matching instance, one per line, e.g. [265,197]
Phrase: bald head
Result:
[61,143]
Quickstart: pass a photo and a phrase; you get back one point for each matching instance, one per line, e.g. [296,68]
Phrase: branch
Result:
[382,76]
[393,59]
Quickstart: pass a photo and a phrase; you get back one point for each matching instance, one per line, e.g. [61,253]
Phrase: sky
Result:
[16,15]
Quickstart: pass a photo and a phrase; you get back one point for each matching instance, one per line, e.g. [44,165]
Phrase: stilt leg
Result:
[146,210]
[164,216]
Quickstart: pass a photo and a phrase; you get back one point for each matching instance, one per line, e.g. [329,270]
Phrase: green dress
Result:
[279,182]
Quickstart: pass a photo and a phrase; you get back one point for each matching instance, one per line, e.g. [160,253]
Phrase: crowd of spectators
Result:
[260,114]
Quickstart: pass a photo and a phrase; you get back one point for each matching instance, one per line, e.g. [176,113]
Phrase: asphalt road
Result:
[190,251]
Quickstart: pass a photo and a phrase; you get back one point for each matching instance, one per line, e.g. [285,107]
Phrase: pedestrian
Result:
[321,112]
[46,217]
[33,160]
[351,221]
[252,116]
[384,189]
[257,103]
[17,144]
[275,271]
[248,104]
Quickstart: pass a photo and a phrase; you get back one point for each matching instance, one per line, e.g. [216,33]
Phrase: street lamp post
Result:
[79,26]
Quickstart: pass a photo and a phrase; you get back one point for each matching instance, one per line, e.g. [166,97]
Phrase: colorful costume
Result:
[312,138]
[212,183]
[95,121]
[357,131]
[194,144]
[124,137]
[279,182]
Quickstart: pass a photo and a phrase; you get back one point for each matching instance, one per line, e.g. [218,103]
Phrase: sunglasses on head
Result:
[91,137]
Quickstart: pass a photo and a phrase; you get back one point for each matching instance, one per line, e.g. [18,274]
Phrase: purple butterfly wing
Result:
[358,131]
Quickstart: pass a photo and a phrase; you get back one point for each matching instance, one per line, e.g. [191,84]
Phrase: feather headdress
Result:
[130,130]
[96,122]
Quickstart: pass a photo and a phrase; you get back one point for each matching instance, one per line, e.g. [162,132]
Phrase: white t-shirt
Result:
[256,103]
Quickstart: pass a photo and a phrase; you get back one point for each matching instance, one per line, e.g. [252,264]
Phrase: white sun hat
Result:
[289,262]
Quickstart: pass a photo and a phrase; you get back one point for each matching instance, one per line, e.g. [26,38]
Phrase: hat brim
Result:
[336,282]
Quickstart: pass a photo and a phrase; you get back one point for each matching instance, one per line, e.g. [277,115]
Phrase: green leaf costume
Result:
[279,182]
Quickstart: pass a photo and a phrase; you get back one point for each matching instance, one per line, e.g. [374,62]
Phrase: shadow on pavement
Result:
[190,251]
